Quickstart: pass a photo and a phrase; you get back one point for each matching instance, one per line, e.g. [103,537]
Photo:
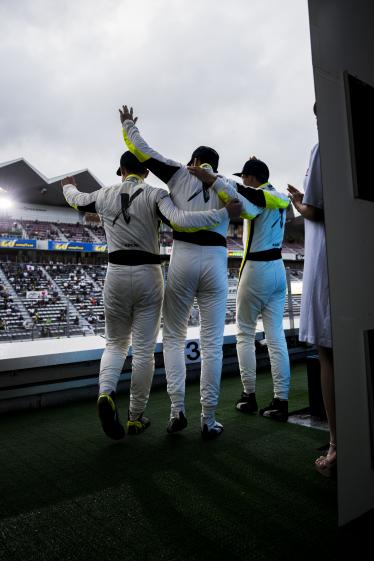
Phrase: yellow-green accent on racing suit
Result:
[130,213]
[186,191]
[263,234]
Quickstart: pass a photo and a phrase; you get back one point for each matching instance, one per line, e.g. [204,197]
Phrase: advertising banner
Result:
[17,243]
[235,253]
[77,246]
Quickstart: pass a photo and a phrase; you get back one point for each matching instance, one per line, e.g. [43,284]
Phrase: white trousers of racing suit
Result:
[262,290]
[132,303]
[199,271]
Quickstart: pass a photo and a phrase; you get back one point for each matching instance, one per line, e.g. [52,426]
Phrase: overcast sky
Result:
[233,75]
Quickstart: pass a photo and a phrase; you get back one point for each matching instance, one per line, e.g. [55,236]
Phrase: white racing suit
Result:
[133,289]
[198,267]
[262,287]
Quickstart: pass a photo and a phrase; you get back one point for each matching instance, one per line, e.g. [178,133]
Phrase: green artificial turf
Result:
[69,493]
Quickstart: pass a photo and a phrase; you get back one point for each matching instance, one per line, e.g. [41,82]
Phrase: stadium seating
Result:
[97,231]
[40,230]
[82,286]
[10,228]
[54,299]
[45,312]
[75,232]
[11,319]
[234,244]
[59,299]
[166,236]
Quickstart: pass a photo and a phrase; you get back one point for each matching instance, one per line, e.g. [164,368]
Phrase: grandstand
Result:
[53,262]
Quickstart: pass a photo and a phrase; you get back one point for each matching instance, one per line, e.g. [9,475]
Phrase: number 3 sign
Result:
[192,351]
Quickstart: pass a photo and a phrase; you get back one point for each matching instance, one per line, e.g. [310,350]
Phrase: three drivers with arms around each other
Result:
[198,268]
[133,290]
[262,285]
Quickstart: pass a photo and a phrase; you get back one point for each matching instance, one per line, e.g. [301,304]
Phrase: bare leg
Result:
[328,392]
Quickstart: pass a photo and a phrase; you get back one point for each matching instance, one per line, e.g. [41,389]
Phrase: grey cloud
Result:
[237,76]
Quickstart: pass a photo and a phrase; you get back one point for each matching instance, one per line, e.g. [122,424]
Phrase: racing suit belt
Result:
[266,255]
[133,257]
[201,237]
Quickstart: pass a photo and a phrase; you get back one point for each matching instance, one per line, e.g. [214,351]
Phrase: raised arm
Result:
[85,202]
[162,167]
[182,220]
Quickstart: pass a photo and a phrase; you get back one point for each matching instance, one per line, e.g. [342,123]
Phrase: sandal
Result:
[326,467]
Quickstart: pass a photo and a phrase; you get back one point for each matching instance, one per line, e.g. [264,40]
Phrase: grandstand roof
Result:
[26,184]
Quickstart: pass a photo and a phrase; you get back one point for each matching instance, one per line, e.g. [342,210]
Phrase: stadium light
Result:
[5,203]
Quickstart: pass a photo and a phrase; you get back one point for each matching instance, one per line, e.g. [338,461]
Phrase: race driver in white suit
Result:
[262,286]
[133,291]
[198,268]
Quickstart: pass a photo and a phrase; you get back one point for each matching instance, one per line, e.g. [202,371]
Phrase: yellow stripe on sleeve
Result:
[134,150]
[275,202]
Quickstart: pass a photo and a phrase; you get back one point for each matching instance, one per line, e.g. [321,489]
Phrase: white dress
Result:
[315,318]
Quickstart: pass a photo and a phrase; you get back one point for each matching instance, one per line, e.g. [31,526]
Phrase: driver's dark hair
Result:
[131,164]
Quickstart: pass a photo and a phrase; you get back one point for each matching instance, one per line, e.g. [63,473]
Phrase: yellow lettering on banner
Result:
[16,244]
[7,243]
[238,253]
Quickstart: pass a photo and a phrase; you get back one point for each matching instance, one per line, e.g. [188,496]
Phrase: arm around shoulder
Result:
[226,190]
[187,220]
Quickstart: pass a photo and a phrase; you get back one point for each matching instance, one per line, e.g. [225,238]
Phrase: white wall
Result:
[45,213]
[343,39]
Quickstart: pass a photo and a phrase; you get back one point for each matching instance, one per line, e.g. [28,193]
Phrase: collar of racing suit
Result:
[133,177]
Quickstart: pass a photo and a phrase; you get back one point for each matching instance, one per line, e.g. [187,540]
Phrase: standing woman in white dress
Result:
[315,318]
